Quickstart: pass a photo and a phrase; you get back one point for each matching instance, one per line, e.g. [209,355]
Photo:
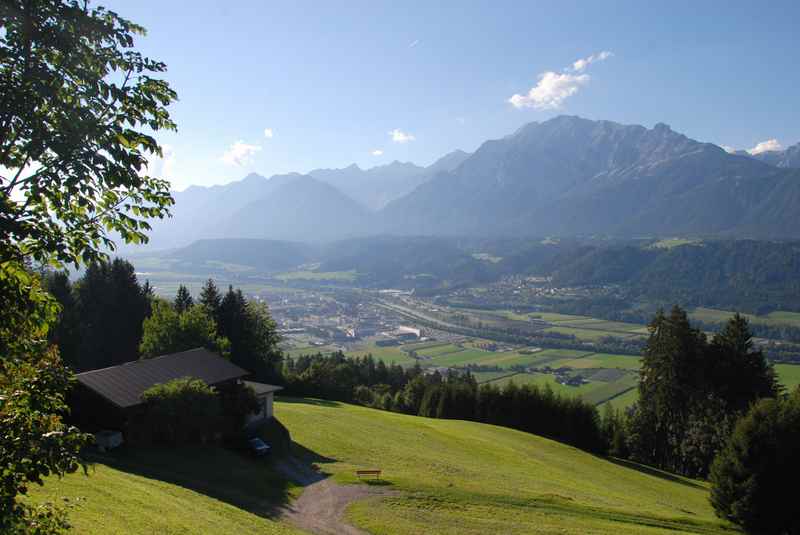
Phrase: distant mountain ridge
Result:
[567,176]
[572,176]
[374,188]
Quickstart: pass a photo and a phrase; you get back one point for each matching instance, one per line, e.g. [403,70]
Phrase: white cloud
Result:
[582,63]
[414,43]
[377,152]
[728,149]
[766,146]
[268,133]
[240,154]
[551,91]
[398,136]
[554,88]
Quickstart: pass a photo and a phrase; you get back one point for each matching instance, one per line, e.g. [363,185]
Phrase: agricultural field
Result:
[622,401]
[584,335]
[611,378]
[388,354]
[308,350]
[777,318]
[595,391]
[457,477]
[604,360]
[334,276]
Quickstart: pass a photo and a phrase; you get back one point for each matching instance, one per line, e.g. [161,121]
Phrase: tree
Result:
[167,331]
[671,380]
[691,391]
[34,441]
[252,333]
[111,307]
[740,374]
[75,97]
[211,299]
[752,477]
[183,300]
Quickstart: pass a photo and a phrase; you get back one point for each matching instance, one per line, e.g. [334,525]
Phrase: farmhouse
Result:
[109,398]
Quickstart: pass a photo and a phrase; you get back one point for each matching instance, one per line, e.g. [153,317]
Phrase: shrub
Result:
[179,411]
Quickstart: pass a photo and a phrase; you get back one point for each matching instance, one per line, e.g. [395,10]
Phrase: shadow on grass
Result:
[258,485]
[377,482]
[655,472]
[308,401]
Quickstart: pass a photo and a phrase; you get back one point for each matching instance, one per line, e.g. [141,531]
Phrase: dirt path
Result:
[320,508]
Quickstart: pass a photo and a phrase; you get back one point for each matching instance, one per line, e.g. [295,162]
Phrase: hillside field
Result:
[444,476]
[207,490]
[457,477]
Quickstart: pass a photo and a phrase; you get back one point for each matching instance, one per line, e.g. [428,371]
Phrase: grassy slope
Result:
[203,490]
[468,478]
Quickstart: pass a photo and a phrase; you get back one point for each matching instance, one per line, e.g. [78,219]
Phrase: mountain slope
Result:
[301,209]
[198,210]
[571,176]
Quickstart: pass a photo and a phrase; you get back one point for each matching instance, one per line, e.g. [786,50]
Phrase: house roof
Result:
[124,385]
[262,388]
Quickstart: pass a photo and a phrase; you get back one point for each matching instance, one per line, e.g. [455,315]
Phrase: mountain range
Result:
[567,176]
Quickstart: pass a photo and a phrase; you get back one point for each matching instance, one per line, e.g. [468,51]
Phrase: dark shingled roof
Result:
[124,385]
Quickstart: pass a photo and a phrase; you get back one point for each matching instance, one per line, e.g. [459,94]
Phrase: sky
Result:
[277,87]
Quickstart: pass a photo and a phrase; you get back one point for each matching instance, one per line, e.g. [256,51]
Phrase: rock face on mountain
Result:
[572,176]
[376,187]
[787,159]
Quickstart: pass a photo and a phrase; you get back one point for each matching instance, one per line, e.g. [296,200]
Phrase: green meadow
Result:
[456,477]
[207,490]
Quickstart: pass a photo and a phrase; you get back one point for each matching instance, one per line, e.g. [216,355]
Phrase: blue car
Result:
[257,447]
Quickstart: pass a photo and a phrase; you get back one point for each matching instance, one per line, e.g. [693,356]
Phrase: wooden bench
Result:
[376,474]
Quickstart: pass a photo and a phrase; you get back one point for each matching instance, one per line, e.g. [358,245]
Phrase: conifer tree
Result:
[183,299]
[211,299]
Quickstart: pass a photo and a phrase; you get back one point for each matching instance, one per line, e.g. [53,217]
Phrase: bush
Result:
[753,475]
[179,411]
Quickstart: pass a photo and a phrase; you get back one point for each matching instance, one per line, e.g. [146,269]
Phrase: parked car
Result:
[257,447]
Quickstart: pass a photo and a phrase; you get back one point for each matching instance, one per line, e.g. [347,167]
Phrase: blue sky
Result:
[371,82]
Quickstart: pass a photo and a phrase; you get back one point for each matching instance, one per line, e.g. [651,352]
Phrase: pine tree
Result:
[672,379]
[183,300]
[211,299]
[740,374]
